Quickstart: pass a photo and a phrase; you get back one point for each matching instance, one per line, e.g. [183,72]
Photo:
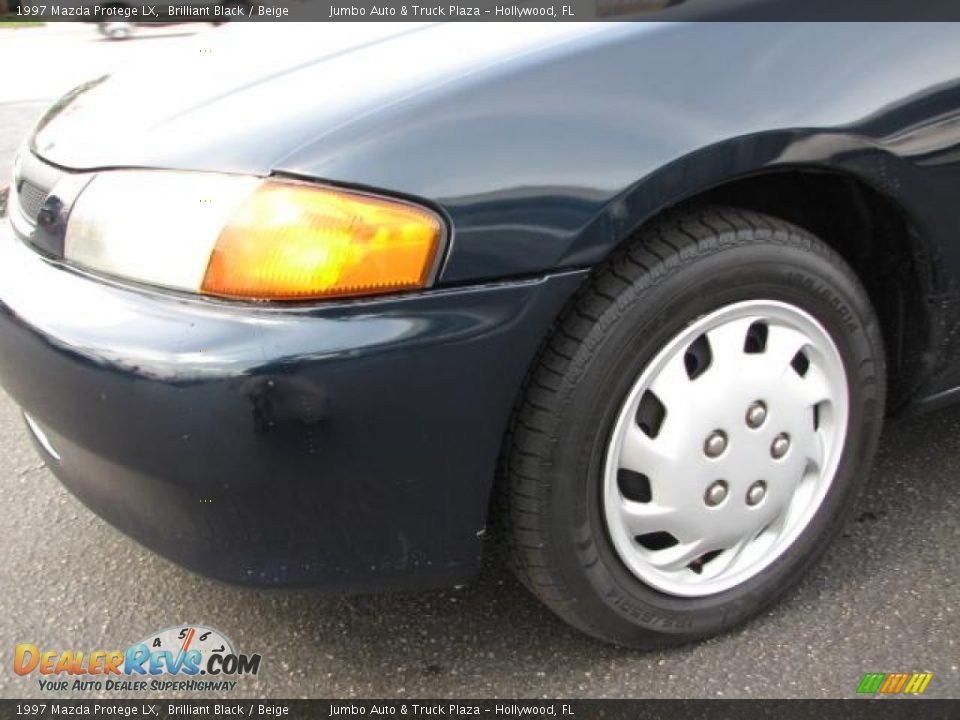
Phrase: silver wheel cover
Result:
[742,421]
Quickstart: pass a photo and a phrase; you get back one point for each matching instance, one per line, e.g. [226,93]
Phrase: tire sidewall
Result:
[615,603]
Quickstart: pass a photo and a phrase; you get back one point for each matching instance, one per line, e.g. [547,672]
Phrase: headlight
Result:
[242,237]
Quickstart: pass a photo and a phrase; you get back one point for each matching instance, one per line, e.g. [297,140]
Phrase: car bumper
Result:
[349,445]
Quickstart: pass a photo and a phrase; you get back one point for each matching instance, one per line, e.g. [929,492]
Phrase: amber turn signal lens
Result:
[291,241]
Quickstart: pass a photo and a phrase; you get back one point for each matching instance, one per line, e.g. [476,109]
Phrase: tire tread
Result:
[655,253]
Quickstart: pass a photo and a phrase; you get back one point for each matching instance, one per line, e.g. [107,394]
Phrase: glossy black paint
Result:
[351,445]
[550,146]
[545,147]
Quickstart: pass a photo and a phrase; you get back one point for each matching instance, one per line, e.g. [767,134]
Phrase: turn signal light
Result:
[292,241]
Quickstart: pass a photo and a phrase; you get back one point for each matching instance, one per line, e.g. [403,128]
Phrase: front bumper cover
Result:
[348,445]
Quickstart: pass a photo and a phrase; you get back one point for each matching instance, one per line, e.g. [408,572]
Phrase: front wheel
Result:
[695,429]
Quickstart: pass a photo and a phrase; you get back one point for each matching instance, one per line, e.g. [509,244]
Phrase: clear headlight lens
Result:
[242,237]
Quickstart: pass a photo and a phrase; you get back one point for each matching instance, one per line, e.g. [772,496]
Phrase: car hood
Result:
[245,97]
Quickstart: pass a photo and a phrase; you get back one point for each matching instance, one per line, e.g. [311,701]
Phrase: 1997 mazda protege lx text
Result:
[637,297]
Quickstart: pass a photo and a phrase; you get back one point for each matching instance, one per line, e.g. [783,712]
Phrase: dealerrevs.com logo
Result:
[186,657]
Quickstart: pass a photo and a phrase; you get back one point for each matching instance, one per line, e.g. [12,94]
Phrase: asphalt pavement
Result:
[885,599]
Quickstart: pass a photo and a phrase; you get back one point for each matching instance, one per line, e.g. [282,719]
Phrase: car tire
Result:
[588,504]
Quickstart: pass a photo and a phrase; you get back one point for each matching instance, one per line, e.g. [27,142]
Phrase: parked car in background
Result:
[119,20]
[632,299]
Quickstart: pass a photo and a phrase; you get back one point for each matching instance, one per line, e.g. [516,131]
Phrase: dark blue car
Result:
[631,301]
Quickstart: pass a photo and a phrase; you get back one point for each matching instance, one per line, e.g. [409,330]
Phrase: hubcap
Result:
[694,416]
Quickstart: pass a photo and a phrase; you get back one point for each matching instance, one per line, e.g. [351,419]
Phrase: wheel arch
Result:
[845,190]
[874,234]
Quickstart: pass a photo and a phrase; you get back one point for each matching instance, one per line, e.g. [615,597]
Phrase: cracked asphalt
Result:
[886,597]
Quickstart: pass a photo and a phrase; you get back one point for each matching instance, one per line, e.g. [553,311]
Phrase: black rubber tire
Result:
[676,270]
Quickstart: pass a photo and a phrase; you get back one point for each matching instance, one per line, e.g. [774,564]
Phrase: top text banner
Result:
[492,10]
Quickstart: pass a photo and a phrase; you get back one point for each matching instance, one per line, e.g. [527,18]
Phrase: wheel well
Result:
[872,234]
